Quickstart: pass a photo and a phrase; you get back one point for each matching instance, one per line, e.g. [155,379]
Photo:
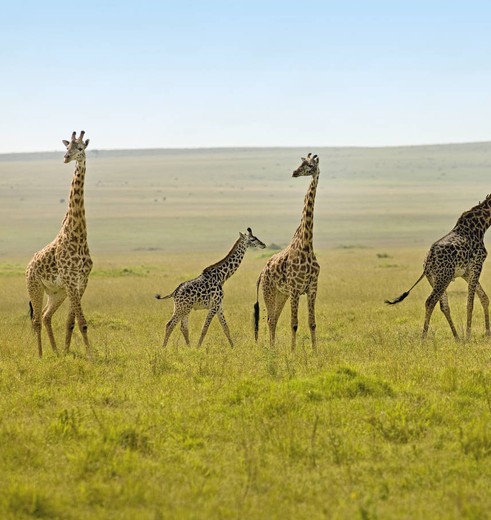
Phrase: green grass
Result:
[374,425]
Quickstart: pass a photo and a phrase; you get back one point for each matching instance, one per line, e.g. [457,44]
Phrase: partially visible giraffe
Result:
[206,291]
[62,268]
[295,270]
[460,253]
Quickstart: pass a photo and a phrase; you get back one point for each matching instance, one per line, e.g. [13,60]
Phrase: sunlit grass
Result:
[375,424]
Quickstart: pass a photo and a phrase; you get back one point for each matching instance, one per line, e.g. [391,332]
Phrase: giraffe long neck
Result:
[304,235]
[474,222]
[226,267]
[74,222]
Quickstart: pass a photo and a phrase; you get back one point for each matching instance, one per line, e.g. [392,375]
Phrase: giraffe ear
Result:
[66,143]
[87,143]
[303,159]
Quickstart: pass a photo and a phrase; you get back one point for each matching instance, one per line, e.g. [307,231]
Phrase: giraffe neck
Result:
[226,267]
[304,235]
[74,222]
[475,222]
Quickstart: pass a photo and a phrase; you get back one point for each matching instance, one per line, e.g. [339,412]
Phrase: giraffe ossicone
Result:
[206,291]
[295,270]
[460,253]
[62,268]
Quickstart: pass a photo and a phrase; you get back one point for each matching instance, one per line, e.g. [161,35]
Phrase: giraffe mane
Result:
[223,260]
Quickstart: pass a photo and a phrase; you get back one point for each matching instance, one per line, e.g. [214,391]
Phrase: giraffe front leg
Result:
[294,318]
[485,306]
[473,281]
[221,317]
[311,296]
[208,319]
[76,308]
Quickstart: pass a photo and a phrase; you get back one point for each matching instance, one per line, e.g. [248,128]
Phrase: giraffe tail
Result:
[31,311]
[404,295]
[256,309]
[160,297]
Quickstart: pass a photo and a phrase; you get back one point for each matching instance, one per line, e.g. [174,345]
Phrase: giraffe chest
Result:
[302,272]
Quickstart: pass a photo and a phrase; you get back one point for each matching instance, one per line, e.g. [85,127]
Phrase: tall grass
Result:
[375,425]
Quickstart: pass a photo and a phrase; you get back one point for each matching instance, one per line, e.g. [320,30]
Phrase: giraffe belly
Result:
[459,271]
[53,286]
[200,306]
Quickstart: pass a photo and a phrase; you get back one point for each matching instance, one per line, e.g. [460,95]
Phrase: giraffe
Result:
[295,270]
[206,291]
[460,253]
[62,268]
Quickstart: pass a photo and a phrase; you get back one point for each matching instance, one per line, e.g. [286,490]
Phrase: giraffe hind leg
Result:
[444,306]
[185,329]
[439,288]
[294,318]
[36,293]
[311,296]
[274,301]
[170,327]
[54,301]
[70,325]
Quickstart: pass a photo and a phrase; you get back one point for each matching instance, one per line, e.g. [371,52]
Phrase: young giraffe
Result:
[295,270]
[206,292]
[62,268]
[460,253]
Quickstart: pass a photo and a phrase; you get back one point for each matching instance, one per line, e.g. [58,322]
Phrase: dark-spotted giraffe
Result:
[62,268]
[295,270]
[460,253]
[206,291]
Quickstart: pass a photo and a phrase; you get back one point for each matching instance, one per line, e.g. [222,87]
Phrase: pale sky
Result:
[186,74]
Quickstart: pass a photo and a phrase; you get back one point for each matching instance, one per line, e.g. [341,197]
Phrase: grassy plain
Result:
[375,425]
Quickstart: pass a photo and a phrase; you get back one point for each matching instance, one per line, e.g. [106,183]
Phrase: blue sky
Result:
[147,74]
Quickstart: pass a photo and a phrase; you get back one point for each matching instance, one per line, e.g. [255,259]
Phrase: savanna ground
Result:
[374,425]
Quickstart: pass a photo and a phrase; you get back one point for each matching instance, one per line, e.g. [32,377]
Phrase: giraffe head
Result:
[250,240]
[75,148]
[309,166]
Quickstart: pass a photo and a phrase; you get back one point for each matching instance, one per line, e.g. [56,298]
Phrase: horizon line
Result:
[260,147]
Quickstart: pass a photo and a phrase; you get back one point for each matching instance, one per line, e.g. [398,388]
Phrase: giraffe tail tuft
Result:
[256,308]
[398,299]
[256,320]
[31,311]
[404,295]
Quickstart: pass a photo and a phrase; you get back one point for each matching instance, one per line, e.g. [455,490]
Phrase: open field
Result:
[198,200]
[375,425]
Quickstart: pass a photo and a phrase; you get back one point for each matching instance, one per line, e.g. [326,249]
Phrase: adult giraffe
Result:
[62,268]
[295,270]
[459,253]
